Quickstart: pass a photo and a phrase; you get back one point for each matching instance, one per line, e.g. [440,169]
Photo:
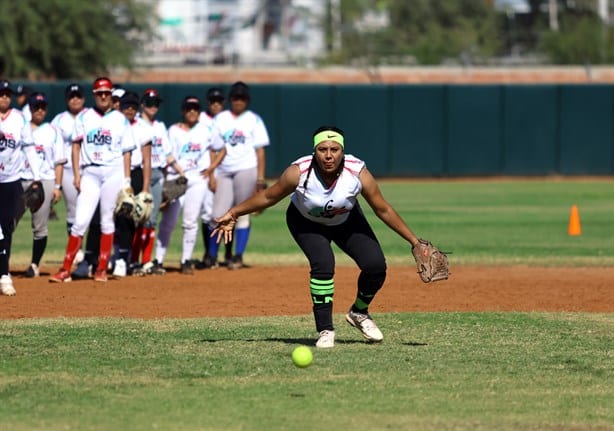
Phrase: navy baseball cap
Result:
[37,99]
[239,89]
[73,90]
[23,90]
[129,99]
[215,93]
[190,102]
[151,94]
[6,86]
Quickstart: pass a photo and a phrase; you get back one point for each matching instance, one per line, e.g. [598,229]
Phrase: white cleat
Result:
[365,324]
[120,269]
[6,286]
[79,257]
[326,340]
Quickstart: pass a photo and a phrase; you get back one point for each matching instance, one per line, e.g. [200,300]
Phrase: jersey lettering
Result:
[327,211]
[235,137]
[100,137]
[7,141]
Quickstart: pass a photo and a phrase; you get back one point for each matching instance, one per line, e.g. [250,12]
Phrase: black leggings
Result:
[355,237]
[11,194]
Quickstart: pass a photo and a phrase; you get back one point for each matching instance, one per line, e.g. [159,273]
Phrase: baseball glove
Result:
[34,196]
[143,205]
[125,202]
[432,263]
[173,189]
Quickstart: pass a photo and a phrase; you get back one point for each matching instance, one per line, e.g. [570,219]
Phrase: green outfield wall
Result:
[428,130]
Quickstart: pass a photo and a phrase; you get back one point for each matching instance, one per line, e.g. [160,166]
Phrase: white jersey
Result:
[143,135]
[190,148]
[15,136]
[205,119]
[49,150]
[64,122]
[104,138]
[241,136]
[327,206]
[160,145]
[27,113]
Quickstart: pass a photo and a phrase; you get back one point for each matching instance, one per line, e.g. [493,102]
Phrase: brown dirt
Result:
[264,291]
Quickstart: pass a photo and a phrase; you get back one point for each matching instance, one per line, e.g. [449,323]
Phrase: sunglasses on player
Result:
[150,103]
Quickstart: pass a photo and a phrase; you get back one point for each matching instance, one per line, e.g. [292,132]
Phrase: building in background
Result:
[241,32]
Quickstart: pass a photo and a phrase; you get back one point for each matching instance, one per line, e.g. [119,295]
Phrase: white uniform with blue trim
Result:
[65,123]
[241,136]
[191,149]
[15,142]
[49,149]
[104,139]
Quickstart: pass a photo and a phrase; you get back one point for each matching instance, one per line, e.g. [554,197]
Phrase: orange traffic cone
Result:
[574,228]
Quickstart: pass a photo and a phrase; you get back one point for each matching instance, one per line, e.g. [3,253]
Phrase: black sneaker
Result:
[187,268]
[155,268]
[32,271]
[208,262]
[236,263]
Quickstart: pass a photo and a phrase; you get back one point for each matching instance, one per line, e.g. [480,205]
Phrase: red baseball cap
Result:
[102,84]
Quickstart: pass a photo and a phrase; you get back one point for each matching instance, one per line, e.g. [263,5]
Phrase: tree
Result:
[429,31]
[71,38]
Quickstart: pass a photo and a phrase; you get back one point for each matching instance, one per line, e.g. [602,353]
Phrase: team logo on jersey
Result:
[191,147]
[234,137]
[327,211]
[99,137]
[7,140]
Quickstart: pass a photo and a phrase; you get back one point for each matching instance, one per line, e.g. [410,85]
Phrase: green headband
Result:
[328,135]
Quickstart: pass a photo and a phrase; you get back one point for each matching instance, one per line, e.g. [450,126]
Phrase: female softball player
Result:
[102,143]
[215,104]
[191,145]
[240,137]
[161,153]
[64,122]
[15,140]
[324,209]
[140,181]
[49,149]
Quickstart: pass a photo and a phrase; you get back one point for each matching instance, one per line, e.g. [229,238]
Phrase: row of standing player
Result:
[97,140]
[232,146]
[22,160]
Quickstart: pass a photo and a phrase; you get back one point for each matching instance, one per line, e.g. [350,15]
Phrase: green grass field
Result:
[481,222]
[434,371]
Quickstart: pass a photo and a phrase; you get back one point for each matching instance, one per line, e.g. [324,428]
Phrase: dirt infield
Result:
[264,291]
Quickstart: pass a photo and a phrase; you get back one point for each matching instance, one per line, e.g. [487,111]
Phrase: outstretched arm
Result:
[285,185]
[373,195]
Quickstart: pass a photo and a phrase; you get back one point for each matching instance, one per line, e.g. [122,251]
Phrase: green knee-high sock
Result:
[368,285]
[322,292]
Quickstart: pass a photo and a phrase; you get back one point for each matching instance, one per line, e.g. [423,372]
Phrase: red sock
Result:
[73,246]
[106,244]
[137,244]
[149,237]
